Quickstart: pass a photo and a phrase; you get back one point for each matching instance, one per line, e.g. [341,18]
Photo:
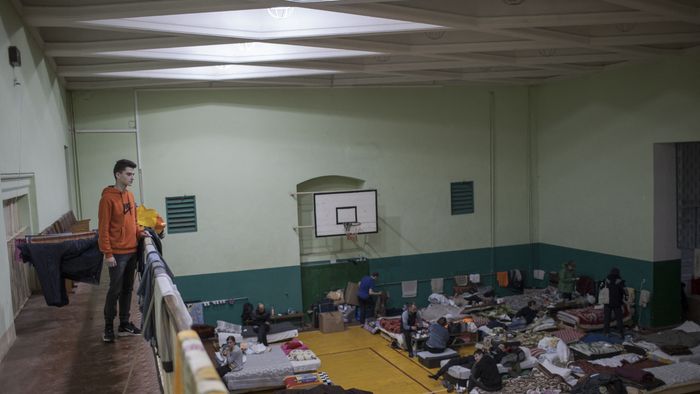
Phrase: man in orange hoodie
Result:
[118,241]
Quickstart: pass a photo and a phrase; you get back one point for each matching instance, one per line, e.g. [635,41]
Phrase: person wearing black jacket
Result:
[617,294]
[528,312]
[484,374]
[261,321]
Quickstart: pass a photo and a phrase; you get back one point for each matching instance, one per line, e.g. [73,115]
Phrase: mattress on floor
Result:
[391,335]
[306,365]
[591,318]
[662,356]
[461,373]
[264,370]
[278,332]
[683,372]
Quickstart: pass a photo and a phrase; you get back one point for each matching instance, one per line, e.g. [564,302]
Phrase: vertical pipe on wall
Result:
[138,146]
[529,174]
[492,174]
[76,172]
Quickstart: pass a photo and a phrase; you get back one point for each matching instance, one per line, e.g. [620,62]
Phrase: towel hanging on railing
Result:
[436,285]
[461,280]
[409,288]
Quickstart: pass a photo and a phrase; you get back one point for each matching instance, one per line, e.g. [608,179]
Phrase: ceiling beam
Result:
[68,16]
[560,20]
[666,8]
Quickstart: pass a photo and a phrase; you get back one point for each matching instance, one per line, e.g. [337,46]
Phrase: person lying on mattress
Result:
[528,312]
[508,355]
[232,357]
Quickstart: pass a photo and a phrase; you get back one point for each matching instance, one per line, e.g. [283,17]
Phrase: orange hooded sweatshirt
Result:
[117,228]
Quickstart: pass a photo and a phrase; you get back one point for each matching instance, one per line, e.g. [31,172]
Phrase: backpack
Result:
[604,294]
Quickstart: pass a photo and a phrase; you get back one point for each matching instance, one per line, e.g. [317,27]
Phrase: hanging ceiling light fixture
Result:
[280,12]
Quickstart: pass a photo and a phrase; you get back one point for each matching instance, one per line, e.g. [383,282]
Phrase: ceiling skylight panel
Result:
[266,24]
[216,73]
[246,52]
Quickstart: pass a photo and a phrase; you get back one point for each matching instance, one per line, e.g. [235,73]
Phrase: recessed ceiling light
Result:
[216,73]
[266,23]
[246,52]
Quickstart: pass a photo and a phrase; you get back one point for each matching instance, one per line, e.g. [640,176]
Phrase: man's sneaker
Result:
[108,336]
[126,329]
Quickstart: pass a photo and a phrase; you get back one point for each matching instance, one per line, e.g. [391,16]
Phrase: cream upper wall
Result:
[33,132]
[241,152]
[595,166]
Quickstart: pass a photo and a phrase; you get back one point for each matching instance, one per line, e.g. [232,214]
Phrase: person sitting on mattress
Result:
[232,357]
[410,320]
[484,373]
[528,312]
[438,336]
[261,322]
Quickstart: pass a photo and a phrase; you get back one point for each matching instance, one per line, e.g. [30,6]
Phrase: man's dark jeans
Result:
[121,285]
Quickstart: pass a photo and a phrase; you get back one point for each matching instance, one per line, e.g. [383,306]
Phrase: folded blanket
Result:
[628,371]
[676,350]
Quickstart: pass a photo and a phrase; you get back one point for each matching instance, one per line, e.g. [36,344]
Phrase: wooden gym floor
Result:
[354,358]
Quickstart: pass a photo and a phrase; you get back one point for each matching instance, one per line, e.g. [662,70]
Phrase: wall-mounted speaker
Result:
[15,58]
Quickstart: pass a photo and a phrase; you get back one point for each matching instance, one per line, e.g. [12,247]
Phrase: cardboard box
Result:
[331,322]
[351,293]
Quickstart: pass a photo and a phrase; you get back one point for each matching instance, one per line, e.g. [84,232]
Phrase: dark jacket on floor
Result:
[79,260]
[486,371]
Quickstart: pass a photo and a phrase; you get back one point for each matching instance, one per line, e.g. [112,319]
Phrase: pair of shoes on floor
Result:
[126,329]
[410,354]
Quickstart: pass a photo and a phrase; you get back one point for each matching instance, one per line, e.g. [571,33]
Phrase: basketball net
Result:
[351,230]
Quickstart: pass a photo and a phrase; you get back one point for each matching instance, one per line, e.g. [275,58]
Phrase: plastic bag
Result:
[149,217]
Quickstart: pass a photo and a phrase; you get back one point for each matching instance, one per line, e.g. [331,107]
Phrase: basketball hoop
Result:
[351,230]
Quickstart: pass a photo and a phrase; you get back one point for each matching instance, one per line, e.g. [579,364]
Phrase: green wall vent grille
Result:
[181,214]
[462,197]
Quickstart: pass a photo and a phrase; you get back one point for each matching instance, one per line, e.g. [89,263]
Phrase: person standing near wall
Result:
[118,241]
[617,296]
[365,292]
[567,279]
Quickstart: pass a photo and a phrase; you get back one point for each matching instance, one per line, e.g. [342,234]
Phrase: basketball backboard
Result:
[333,210]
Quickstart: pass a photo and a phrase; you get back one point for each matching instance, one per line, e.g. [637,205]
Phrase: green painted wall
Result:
[33,134]
[423,267]
[97,153]
[661,278]
[241,152]
[279,287]
[594,143]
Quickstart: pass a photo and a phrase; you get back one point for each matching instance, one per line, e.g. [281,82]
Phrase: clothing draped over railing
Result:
[183,363]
